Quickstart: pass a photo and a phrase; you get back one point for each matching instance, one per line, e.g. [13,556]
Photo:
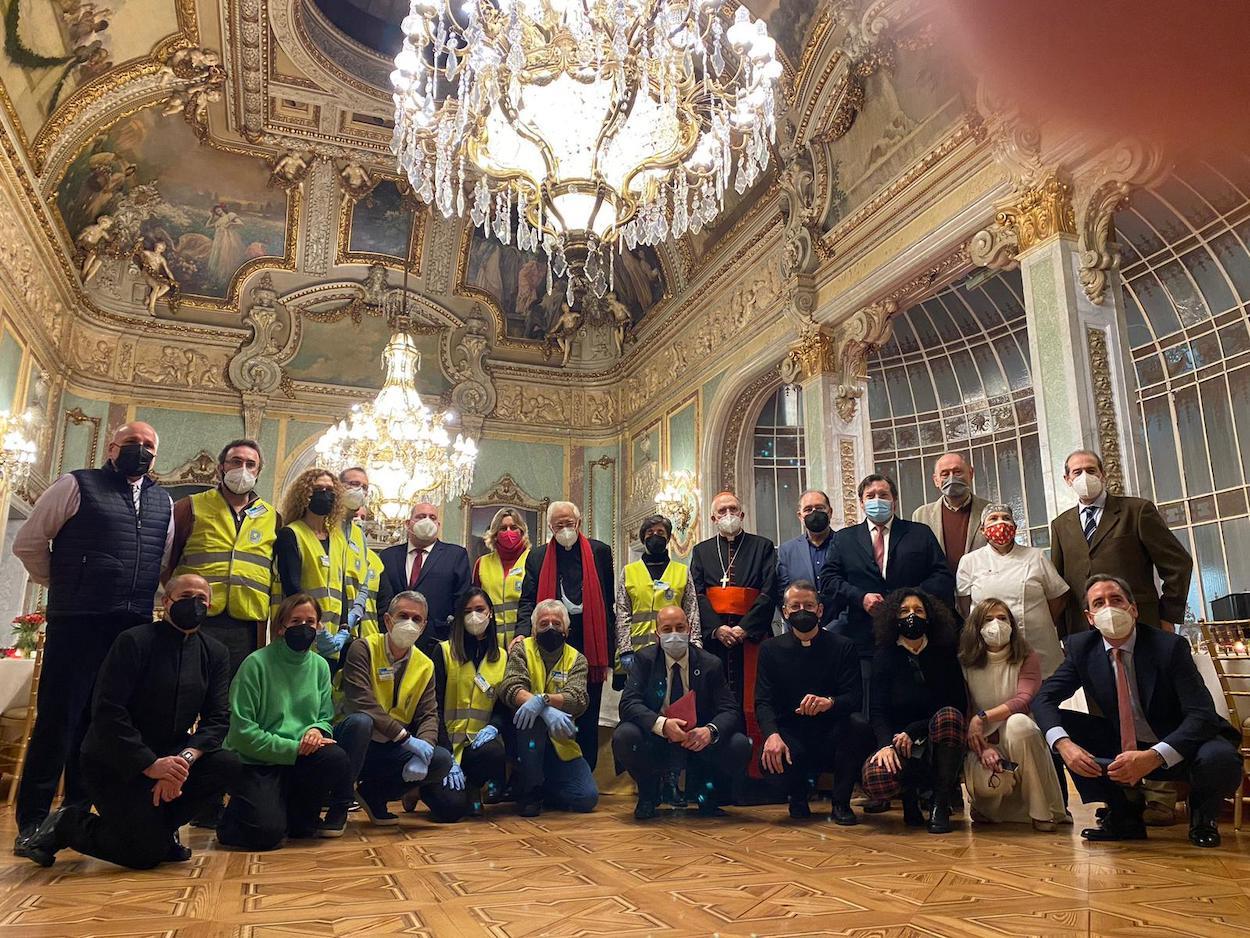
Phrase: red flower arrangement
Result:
[26,633]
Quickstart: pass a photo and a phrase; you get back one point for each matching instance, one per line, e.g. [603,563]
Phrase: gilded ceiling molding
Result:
[321,241]
[254,371]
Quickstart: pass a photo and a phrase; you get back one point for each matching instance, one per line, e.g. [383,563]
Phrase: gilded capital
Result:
[813,354]
[1044,210]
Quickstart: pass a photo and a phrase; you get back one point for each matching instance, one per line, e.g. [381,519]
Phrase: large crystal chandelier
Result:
[597,124]
[402,444]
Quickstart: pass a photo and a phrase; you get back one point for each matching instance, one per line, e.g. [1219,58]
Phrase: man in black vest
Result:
[98,540]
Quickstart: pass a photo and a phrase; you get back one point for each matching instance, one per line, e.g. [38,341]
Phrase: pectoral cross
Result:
[724,580]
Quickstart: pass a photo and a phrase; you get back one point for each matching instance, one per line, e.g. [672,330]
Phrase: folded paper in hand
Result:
[683,709]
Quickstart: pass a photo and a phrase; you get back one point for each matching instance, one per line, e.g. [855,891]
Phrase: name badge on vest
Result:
[559,677]
[661,586]
[256,511]
[386,674]
[325,561]
[483,685]
[354,546]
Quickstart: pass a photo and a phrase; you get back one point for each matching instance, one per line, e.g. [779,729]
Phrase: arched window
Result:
[778,463]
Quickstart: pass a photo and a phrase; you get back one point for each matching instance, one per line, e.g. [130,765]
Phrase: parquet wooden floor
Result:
[756,873]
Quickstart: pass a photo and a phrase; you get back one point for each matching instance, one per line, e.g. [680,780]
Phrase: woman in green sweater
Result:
[280,711]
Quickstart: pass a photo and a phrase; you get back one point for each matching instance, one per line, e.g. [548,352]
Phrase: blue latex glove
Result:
[415,769]
[455,778]
[627,662]
[353,619]
[485,735]
[418,747]
[559,724]
[329,644]
[528,712]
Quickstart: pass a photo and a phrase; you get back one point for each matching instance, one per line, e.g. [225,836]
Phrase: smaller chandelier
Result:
[678,500]
[402,444]
[18,450]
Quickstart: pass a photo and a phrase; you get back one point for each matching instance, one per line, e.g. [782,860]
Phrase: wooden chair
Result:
[1233,670]
[23,717]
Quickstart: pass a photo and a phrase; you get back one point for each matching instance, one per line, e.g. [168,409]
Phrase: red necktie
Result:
[1124,701]
[878,547]
[416,569]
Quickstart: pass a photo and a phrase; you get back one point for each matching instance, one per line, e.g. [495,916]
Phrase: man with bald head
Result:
[152,757]
[955,518]
[436,569]
[98,540]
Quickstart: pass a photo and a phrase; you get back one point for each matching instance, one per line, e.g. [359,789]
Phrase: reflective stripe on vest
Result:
[504,593]
[645,600]
[466,707]
[541,683]
[235,559]
[321,581]
[399,702]
[356,572]
[372,624]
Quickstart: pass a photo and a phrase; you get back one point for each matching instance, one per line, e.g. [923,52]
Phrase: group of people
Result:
[294,672]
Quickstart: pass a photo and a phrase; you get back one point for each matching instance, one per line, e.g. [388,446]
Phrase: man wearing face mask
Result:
[954,518]
[807,696]
[152,757]
[712,749]
[363,572]
[390,731]
[1157,719]
[1118,535]
[803,557]
[545,681]
[646,586]
[575,570]
[869,561]
[438,569]
[226,535]
[98,539]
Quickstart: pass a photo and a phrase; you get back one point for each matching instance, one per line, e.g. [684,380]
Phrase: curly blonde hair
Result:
[497,522]
[295,500]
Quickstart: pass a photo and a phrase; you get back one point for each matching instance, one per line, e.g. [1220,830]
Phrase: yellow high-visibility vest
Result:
[504,592]
[399,700]
[543,683]
[356,567]
[648,596]
[321,574]
[235,559]
[466,704]
[372,623]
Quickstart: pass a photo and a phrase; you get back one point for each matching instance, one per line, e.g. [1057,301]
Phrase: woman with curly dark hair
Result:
[918,705]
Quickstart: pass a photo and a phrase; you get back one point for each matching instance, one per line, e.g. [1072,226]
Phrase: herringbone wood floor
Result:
[757,873]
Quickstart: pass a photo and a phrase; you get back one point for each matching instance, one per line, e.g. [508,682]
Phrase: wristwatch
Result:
[981,714]
[711,728]
[188,755]
[546,699]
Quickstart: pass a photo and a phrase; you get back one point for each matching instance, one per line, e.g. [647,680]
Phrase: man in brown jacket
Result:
[1120,536]
[955,518]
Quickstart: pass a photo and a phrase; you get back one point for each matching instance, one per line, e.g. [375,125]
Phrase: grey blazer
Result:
[931,514]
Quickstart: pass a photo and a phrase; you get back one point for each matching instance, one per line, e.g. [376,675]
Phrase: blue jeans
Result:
[377,767]
[543,775]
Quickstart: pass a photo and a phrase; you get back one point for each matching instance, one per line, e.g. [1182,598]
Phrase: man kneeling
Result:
[545,682]
[649,745]
[146,771]
[391,728]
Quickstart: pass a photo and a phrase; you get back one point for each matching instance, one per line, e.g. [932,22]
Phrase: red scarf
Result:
[594,614]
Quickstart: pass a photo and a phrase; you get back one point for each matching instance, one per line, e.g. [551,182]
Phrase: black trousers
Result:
[487,763]
[588,726]
[710,774]
[74,648]
[128,829]
[269,802]
[238,635]
[1213,773]
[381,779]
[838,746]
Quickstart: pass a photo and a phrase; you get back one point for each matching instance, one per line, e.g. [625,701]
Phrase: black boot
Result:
[946,763]
[49,837]
[912,815]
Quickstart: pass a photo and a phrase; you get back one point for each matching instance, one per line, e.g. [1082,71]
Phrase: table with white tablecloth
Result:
[15,678]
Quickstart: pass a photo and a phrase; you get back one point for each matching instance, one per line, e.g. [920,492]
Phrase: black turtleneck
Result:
[656,564]
[475,649]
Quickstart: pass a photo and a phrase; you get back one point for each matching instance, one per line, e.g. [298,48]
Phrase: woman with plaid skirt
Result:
[918,706]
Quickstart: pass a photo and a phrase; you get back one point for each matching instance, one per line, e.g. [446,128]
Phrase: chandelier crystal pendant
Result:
[18,449]
[583,127]
[403,445]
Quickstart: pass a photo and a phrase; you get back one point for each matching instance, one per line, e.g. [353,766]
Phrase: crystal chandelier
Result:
[18,450]
[678,500]
[598,124]
[402,444]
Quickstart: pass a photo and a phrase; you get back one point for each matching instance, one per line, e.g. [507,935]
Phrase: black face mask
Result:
[133,459]
[550,640]
[321,502]
[803,621]
[913,626]
[656,544]
[299,637]
[817,521]
[188,614]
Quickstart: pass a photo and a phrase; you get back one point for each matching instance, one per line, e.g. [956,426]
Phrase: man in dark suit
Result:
[868,561]
[713,749]
[1123,536]
[1157,722]
[803,557]
[436,569]
[577,570]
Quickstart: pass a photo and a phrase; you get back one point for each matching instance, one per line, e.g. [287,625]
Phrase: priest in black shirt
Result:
[147,771]
[807,696]
[577,571]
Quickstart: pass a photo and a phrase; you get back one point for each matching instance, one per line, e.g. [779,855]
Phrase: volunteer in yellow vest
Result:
[390,732]
[226,535]
[545,683]
[501,570]
[647,586]
[364,567]
[469,673]
[310,554]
